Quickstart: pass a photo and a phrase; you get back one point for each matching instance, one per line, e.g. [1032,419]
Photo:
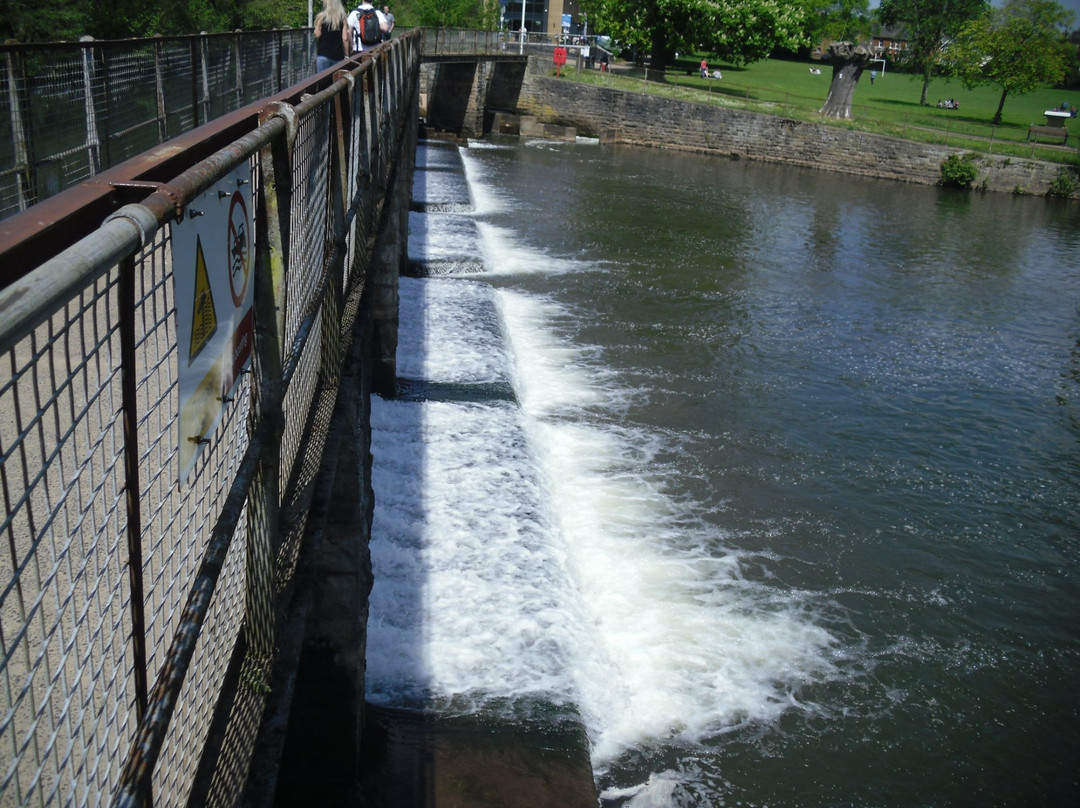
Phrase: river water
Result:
[770,477]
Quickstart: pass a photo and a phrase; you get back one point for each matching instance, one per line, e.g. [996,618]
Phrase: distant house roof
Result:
[890,38]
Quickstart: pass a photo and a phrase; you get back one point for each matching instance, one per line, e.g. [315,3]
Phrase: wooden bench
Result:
[1046,134]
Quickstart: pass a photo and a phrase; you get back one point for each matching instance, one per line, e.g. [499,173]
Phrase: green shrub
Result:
[958,171]
[1064,184]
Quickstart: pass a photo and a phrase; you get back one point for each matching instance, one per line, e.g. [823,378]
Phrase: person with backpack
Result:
[367,24]
[332,38]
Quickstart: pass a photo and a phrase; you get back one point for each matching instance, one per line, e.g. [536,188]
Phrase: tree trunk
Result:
[1001,106]
[658,53]
[848,61]
[925,87]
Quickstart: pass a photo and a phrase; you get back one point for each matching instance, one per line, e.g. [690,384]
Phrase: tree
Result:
[931,25]
[836,20]
[118,19]
[848,62]
[1018,47]
[735,31]
[449,13]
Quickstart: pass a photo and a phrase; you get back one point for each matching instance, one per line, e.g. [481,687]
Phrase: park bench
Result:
[1048,134]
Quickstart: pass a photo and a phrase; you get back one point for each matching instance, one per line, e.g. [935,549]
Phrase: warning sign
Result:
[203,316]
[239,249]
[212,272]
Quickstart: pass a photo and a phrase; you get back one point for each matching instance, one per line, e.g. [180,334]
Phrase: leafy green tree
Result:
[263,14]
[447,14]
[837,20]
[931,25]
[735,31]
[119,19]
[28,22]
[1072,77]
[1018,47]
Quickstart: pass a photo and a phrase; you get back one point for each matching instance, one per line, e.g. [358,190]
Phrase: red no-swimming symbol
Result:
[239,247]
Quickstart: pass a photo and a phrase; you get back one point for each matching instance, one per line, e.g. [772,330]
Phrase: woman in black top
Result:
[332,41]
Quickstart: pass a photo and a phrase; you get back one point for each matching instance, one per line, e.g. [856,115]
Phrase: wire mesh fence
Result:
[77,108]
[124,584]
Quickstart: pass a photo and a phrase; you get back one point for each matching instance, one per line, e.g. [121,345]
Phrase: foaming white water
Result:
[486,200]
[532,549]
[441,237]
[558,378]
[506,254]
[468,604]
[679,644]
[448,332]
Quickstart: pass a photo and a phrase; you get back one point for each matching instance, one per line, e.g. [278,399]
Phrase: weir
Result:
[191,338]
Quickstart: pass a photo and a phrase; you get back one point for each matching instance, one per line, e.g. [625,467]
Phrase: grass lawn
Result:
[889,106]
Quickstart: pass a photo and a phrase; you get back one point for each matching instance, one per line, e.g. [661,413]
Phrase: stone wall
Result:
[629,117]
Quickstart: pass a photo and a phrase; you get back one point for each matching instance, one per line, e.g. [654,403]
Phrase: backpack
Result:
[367,30]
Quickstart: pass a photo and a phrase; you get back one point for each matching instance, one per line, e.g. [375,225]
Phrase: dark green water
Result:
[811,447]
[876,387]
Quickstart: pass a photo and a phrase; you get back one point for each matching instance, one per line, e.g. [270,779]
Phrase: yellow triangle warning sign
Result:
[203,316]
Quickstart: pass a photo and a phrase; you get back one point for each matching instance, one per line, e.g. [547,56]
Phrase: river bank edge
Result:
[618,116]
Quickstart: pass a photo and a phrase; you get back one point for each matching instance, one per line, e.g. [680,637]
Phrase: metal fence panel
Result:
[123,592]
[66,701]
[89,105]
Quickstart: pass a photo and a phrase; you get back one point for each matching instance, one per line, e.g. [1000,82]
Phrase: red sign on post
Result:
[560,60]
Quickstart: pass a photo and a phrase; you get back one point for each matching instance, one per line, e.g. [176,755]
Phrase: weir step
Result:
[507,123]
[437,762]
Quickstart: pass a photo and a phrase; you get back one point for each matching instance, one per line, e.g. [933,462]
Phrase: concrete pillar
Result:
[473,124]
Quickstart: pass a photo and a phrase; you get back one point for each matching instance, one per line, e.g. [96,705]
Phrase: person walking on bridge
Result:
[389,32]
[368,25]
[332,40]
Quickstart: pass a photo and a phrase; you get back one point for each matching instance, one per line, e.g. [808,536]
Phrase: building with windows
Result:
[889,43]
[544,17]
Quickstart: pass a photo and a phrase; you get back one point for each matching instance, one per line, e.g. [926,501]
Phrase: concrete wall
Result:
[462,97]
[630,117]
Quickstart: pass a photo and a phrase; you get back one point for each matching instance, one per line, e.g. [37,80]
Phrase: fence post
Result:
[271,258]
[93,145]
[16,97]
[204,69]
[277,61]
[239,71]
[195,122]
[159,88]
[132,486]
[106,99]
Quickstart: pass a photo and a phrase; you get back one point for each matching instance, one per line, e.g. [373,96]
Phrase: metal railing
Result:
[77,108]
[137,548]
[438,42]
[456,41]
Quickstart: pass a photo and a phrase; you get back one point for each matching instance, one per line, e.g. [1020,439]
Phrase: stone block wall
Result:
[631,117]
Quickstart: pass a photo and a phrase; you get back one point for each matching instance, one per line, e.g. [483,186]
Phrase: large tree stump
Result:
[848,61]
